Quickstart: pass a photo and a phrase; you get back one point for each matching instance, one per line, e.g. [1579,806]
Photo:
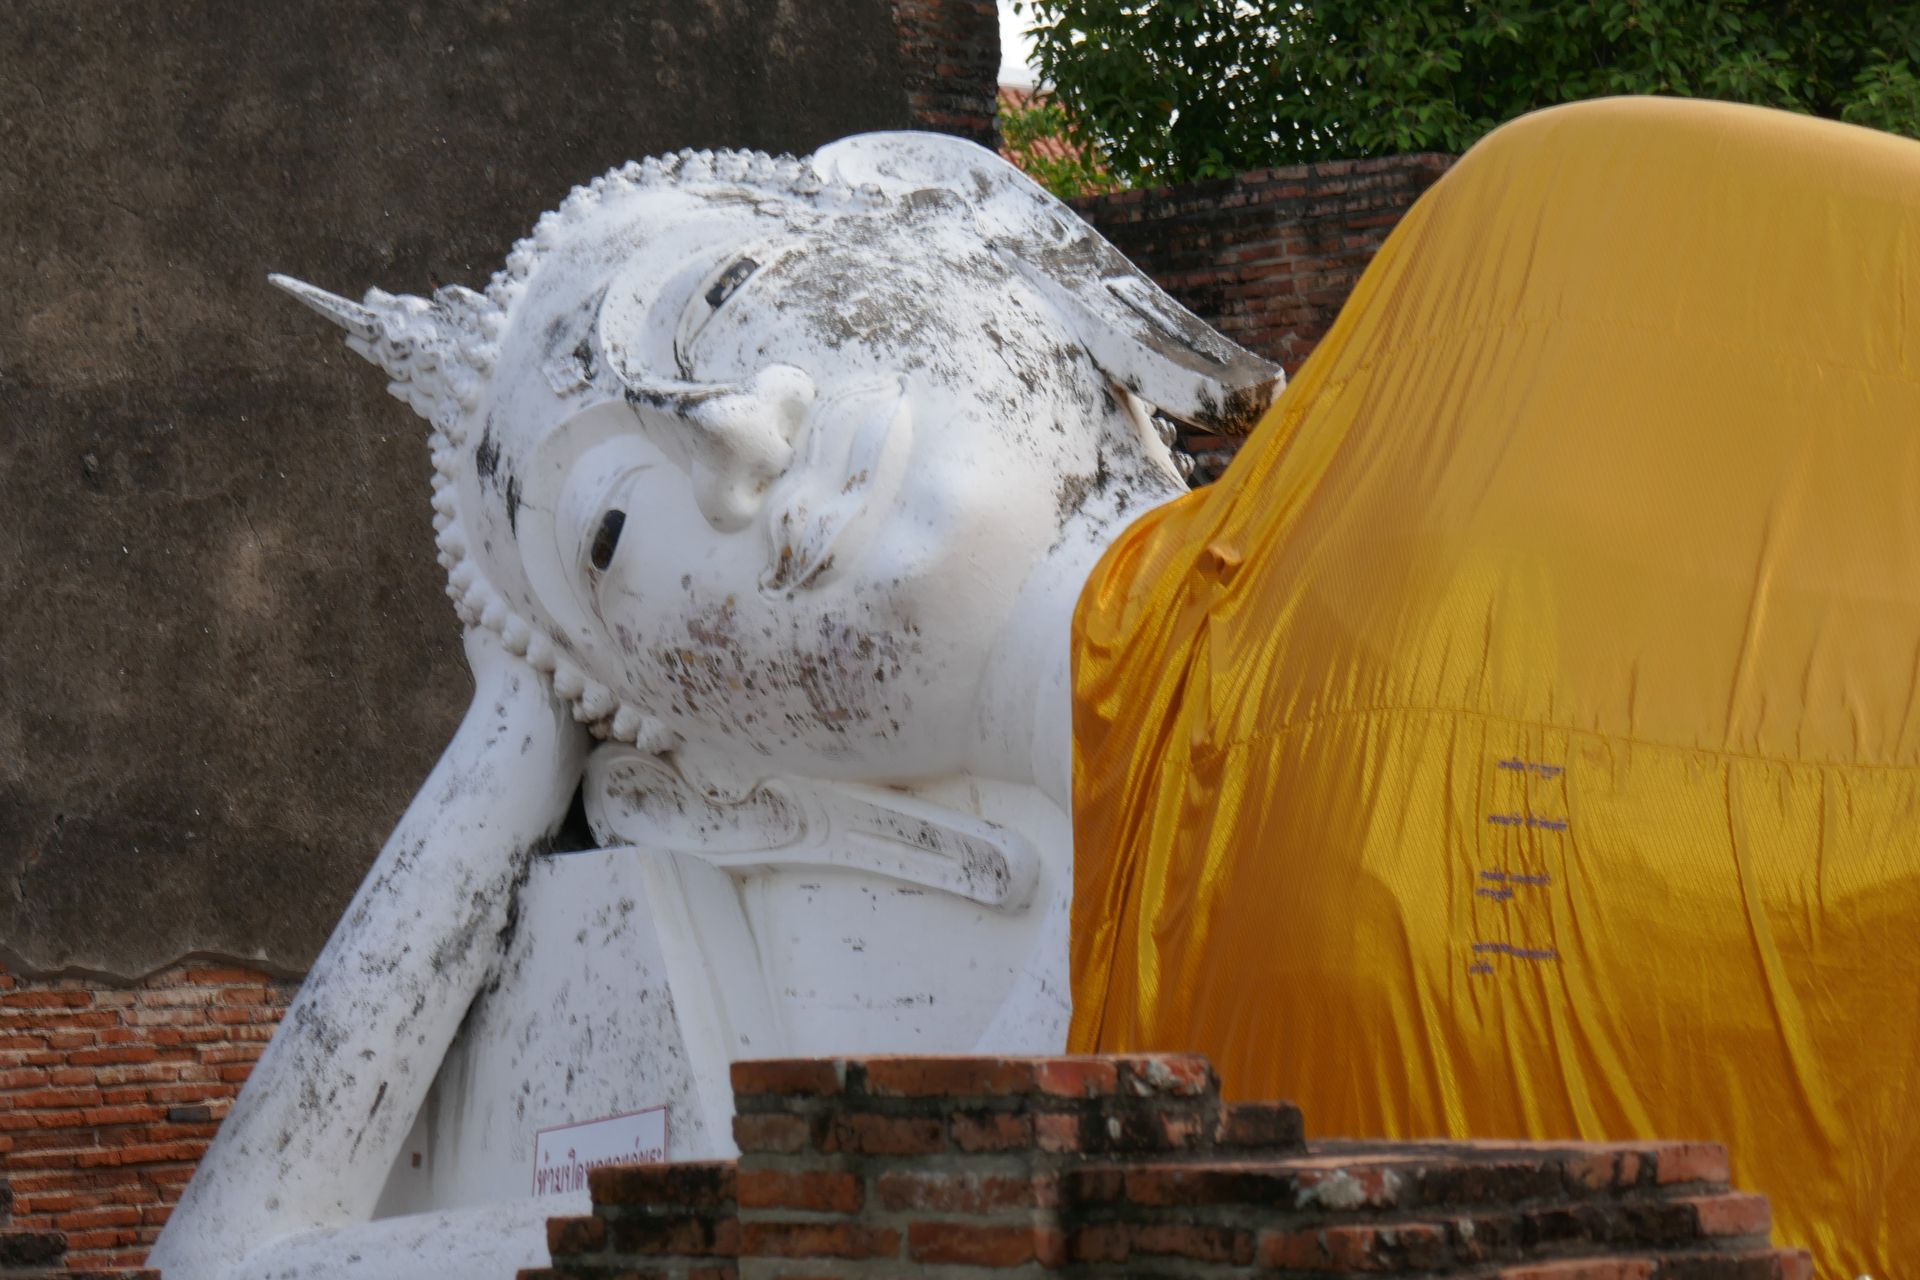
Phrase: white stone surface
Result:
[580,1026]
[783,479]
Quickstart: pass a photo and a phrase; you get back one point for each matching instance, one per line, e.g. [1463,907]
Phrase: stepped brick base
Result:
[1132,1166]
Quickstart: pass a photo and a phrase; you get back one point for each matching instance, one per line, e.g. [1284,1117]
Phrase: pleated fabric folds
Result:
[1523,738]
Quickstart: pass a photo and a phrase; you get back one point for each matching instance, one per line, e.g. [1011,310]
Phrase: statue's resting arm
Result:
[310,1141]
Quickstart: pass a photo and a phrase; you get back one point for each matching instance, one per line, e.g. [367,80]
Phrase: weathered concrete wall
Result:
[227,661]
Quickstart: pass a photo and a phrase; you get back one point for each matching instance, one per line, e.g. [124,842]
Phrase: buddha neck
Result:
[1023,728]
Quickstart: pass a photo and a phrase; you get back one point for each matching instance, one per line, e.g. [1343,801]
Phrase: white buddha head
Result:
[753,456]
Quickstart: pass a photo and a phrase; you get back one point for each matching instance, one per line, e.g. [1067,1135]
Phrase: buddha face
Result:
[792,471]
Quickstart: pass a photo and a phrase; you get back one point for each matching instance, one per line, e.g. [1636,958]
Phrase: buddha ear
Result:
[1139,336]
[1144,340]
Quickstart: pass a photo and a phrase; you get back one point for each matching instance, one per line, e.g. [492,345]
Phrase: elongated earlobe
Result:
[1145,341]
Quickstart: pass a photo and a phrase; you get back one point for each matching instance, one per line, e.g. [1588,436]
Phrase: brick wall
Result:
[1269,256]
[109,1095]
[950,56]
[28,1253]
[1114,1167]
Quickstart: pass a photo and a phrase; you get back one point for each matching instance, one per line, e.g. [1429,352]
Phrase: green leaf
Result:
[1167,90]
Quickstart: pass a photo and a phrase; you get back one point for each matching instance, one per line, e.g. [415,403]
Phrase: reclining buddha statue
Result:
[1520,740]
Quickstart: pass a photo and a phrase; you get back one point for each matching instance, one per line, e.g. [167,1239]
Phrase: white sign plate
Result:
[563,1154]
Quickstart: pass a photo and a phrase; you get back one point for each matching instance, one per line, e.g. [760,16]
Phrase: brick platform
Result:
[27,1254]
[109,1095]
[1110,1167]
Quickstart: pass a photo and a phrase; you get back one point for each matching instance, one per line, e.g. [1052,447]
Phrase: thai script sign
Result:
[564,1154]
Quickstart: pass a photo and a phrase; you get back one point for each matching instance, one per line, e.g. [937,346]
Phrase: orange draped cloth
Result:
[1523,738]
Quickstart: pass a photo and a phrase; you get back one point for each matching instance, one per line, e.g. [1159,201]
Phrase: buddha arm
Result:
[310,1141]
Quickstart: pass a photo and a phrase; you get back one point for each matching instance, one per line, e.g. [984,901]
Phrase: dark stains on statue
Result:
[831,676]
[1077,491]
[486,458]
[1239,412]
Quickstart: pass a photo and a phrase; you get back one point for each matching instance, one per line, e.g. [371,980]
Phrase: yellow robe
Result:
[1523,737]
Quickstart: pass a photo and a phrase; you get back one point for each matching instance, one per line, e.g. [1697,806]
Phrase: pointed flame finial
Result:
[436,351]
[357,320]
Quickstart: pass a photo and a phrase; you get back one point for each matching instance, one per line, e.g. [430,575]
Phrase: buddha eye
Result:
[606,539]
[730,279]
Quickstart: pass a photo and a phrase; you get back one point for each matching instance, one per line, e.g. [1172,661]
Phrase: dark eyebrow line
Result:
[730,281]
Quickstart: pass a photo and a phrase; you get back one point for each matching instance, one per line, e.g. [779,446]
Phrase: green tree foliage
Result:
[1172,90]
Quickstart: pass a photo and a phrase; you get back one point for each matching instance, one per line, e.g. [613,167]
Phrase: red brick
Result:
[232,1053]
[879,1135]
[34,1098]
[1191,1241]
[571,1236]
[1105,1242]
[818,1240]
[116,1054]
[1178,1132]
[702,1237]
[57,1203]
[148,1153]
[1691,1162]
[773,1134]
[818,1190]
[983,1131]
[102,1238]
[949,1077]
[1077,1077]
[1731,1215]
[87,1021]
[139,1073]
[1604,1169]
[1584,1269]
[1261,1125]
[1353,1247]
[703,1184]
[1795,1264]
[45,1000]
[806,1077]
[947,1192]
[80,1219]
[984,1245]
[1177,1075]
[170,1094]
[1057,1132]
